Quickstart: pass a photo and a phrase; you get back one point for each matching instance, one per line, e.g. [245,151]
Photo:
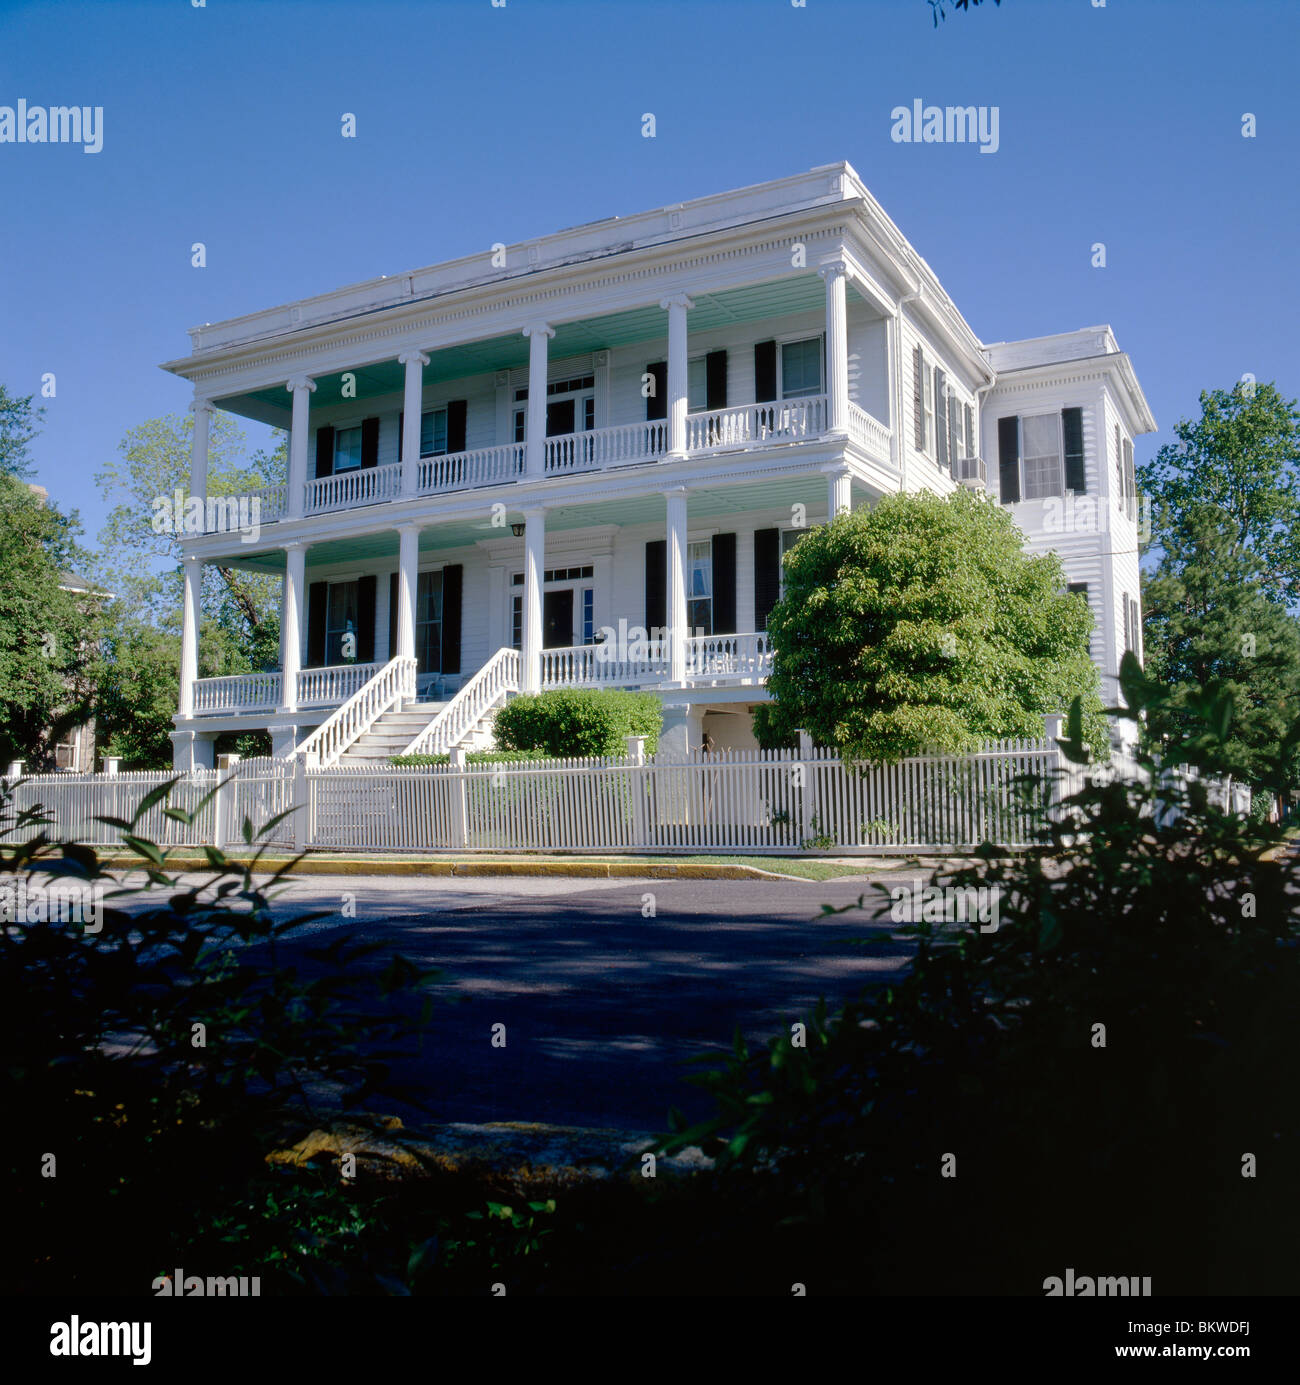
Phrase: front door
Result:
[557,619]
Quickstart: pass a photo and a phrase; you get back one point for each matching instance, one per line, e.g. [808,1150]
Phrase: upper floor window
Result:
[801,368]
[699,586]
[1042,466]
[697,386]
[347,449]
[433,433]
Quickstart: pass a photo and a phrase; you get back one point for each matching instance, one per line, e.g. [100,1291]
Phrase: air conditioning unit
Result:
[971,472]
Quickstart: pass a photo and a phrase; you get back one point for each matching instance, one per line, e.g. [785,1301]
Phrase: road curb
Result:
[580,870]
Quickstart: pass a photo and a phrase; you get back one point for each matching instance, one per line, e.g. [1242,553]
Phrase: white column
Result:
[837,347]
[408,576]
[534,567]
[678,388]
[295,590]
[677,632]
[302,390]
[202,412]
[538,334]
[839,491]
[415,362]
[193,567]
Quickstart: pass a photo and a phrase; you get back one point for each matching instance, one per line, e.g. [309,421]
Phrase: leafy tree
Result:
[18,422]
[1210,628]
[47,634]
[240,625]
[921,623]
[938,7]
[1241,459]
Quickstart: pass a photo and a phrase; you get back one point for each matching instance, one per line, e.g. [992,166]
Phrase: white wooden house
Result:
[577,461]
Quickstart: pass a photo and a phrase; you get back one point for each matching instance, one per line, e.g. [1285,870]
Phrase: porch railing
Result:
[364,486]
[239,692]
[461,470]
[394,683]
[488,688]
[602,447]
[868,432]
[326,687]
[746,656]
[593,665]
[787,420]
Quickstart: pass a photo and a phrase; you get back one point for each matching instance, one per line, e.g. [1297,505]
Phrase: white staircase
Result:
[392,732]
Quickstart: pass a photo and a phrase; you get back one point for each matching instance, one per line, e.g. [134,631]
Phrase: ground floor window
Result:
[428,622]
[789,538]
[699,587]
[341,622]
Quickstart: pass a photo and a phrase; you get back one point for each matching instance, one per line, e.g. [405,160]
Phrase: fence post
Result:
[15,770]
[459,806]
[301,802]
[112,764]
[636,786]
[224,800]
[807,781]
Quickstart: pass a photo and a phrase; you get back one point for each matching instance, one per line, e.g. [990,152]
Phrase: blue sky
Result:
[477,124]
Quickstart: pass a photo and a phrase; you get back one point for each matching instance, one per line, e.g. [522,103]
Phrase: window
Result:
[557,574]
[433,433]
[347,449]
[970,430]
[588,615]
[428,622]
[697,386]
[699,587]
[1040,442]
[941,430]
[801,368]
[517,622]
[341,620]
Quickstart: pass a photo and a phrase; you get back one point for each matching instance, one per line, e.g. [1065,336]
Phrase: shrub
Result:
[568,723]
[1143,972]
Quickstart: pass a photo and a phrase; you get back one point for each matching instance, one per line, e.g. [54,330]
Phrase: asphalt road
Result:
[602,1004]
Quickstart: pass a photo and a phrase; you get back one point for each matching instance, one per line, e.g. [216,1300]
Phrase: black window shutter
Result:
[656,585]
[457,410]
[1009,459]
[970,431]
[656,404]
[369,442]
[367,591]
[724,584]
[1076,476]
[392,615]
[764,371]
[453,585]
[918,399]
[767,574]
[325,451]
[401,424]
[954,436]
[715,380]
[317,602]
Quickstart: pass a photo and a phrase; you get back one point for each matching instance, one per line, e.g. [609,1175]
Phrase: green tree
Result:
[922,623]
[1221,604]
[1241,459]
[18,422]
[239,626]
[48,635]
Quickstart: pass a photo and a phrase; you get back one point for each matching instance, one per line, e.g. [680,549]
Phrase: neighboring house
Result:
[622,425]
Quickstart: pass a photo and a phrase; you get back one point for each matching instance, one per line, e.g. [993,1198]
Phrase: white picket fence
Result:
[748,802]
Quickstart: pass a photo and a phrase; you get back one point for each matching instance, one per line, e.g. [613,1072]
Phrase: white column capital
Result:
[676,300]
[837,469]
[202,406]
[300,382]
[539,329]
[833,269]
[410,529]
[191,560]
[676,492]
[408,357]
[293,545]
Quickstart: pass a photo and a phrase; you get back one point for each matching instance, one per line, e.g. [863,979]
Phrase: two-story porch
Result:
[649,500]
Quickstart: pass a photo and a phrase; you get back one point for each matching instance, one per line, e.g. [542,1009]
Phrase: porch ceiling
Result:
[774,298]
[716,503]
